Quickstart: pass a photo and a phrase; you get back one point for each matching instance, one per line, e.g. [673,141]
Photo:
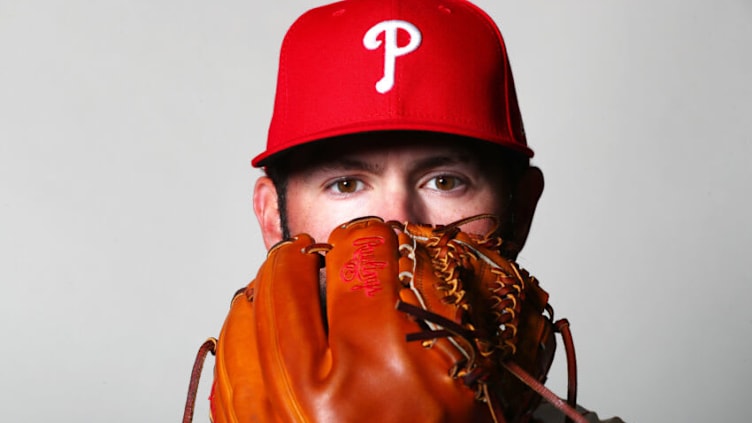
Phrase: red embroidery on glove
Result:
[363,266]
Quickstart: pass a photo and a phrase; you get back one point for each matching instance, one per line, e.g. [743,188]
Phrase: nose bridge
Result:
[400,203]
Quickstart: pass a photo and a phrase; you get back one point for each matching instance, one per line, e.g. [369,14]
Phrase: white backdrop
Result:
[126,130]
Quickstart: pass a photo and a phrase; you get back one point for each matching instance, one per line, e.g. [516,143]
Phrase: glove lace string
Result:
[210,345]
[453,259]
[475,376]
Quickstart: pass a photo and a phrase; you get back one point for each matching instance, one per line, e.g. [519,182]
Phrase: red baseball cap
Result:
[379,65]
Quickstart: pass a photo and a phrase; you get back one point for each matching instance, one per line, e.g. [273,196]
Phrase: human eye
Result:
[345,186]
[444,182]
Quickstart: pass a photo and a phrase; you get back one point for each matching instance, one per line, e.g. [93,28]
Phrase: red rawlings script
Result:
[363,267]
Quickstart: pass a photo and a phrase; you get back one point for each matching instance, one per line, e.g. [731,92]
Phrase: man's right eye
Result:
[346,186]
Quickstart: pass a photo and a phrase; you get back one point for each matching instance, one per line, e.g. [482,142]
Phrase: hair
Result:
[279,173]
[507,164]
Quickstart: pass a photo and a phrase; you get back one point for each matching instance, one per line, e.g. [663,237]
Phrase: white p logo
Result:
[391,49]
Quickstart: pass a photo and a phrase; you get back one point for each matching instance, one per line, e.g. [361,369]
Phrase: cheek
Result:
[304,219]
[484,203]
[299,212]
[315,217]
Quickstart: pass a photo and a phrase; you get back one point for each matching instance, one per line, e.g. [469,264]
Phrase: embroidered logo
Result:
[392,50]
[363,267]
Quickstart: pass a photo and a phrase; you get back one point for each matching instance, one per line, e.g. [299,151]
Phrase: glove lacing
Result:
[451,258]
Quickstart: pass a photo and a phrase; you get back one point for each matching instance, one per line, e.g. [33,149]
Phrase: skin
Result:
[405,179]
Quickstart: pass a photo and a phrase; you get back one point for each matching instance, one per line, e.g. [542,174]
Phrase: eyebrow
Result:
[443,160]
[351,164]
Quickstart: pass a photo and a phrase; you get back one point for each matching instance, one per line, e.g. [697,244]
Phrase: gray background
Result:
[126,130]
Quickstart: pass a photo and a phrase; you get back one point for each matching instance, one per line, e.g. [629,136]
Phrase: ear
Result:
[525,198]
[266,207]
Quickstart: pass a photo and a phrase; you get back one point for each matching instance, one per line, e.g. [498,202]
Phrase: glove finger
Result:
[238,392]
[289,323]
[362,291]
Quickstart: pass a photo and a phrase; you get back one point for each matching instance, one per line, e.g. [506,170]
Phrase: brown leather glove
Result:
[385,322]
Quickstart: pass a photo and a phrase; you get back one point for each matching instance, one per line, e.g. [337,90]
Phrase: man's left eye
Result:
[347,186]
[444,183]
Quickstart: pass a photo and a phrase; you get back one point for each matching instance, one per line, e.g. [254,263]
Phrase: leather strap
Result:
[210,345]
[546,393]
[562,326]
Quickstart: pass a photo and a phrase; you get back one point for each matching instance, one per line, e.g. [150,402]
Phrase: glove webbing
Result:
[451,328]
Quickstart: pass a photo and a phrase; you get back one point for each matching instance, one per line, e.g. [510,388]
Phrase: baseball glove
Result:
[386,322]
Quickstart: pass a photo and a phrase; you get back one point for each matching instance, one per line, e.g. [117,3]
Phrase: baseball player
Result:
[401,109]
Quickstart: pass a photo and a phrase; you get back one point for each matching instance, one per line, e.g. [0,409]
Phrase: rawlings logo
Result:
[363,266]
[391,49]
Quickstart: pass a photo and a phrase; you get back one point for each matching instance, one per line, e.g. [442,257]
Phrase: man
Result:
[401,109]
